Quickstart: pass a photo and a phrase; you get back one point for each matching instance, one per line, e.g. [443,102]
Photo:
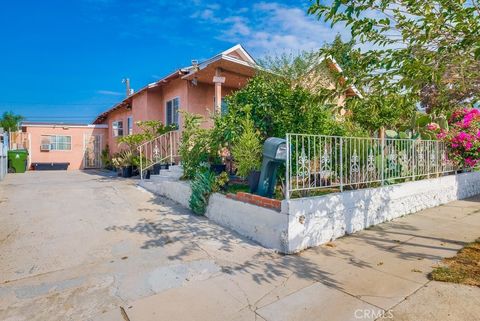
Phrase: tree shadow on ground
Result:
[185,234]
[174,224]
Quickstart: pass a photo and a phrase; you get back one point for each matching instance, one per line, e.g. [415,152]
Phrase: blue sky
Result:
[64,60]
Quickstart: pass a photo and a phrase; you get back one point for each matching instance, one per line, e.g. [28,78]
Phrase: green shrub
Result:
[123,159]
[194,147]
[106,159]
[247,150]
[278,107]
[202,185]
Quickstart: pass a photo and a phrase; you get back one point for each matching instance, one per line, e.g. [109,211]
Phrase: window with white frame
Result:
[117,127]
[57,142]
[172,107]
[130,125]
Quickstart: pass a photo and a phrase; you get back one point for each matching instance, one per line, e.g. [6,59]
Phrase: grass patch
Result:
[463,268]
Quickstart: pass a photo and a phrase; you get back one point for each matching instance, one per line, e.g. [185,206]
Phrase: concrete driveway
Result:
[75,245]
[80,245]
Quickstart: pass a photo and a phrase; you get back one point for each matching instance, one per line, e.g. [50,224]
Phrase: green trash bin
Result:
[17,160]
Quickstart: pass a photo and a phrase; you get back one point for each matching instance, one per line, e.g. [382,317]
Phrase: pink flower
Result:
[433,126]
[470,161]
[463,136]
[441,135]
[468,145]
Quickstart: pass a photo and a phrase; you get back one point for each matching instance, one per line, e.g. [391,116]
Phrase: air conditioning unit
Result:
[45,147]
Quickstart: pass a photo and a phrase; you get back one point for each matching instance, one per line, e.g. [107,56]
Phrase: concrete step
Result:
[175,168]
[165,175]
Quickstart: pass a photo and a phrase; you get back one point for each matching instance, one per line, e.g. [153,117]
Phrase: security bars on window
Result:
[316,162]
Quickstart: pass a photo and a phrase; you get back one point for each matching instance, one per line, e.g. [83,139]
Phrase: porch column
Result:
[218,80]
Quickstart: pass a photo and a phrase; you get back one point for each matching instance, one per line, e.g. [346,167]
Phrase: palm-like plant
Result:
[10,121]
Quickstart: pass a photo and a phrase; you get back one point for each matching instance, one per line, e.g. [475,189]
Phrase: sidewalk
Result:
[378,272]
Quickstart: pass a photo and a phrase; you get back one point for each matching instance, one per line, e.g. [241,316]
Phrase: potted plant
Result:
[124,161]
[216,165]
[247,153]
[215,157]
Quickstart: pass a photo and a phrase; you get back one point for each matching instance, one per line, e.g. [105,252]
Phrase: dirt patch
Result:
[463,268]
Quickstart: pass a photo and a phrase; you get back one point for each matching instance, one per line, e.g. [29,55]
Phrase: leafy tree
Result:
[380,107]
[277,105]
[10,121]
[349,57]
[430,49]
[377,111]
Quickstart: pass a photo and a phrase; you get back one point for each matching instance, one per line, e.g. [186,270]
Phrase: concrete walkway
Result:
[76,246]
[379,273]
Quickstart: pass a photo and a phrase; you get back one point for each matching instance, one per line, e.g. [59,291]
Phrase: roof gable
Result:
[239,52]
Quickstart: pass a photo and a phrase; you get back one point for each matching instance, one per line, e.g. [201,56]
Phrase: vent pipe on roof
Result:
[195,65]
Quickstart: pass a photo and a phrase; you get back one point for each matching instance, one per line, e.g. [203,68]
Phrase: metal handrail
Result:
[161,149]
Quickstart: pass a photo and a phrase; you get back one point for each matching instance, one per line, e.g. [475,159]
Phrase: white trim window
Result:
[117,127]
[171,111]
[130,125]
[57,142]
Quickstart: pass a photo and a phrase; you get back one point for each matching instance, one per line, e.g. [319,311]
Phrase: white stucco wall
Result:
[178,191]
[263,225]
[317,220]
[308,222]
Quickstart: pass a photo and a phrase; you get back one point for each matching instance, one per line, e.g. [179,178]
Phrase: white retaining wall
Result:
[178,191]
[317,220]
[263,225]
[311,221]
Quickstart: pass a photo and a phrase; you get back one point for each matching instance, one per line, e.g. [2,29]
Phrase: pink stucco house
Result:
[199,88]
[79,145]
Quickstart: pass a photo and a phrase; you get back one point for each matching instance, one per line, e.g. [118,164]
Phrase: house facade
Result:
[78,145]
[198,89]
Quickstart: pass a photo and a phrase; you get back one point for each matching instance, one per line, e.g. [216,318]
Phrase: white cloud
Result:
[109,93]
[271,27]
[264,27]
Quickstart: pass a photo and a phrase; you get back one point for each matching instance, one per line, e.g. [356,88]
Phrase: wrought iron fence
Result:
[316,162]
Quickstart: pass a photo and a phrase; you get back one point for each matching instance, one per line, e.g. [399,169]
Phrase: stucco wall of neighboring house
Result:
[116,115]
[74,156]
[321,77]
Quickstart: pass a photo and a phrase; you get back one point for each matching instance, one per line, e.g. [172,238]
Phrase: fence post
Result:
[341,164]
[287,170]
[383,159]
[171,148]
[141,164]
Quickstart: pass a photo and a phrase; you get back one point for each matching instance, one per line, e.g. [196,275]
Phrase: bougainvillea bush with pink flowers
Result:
[463,136]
